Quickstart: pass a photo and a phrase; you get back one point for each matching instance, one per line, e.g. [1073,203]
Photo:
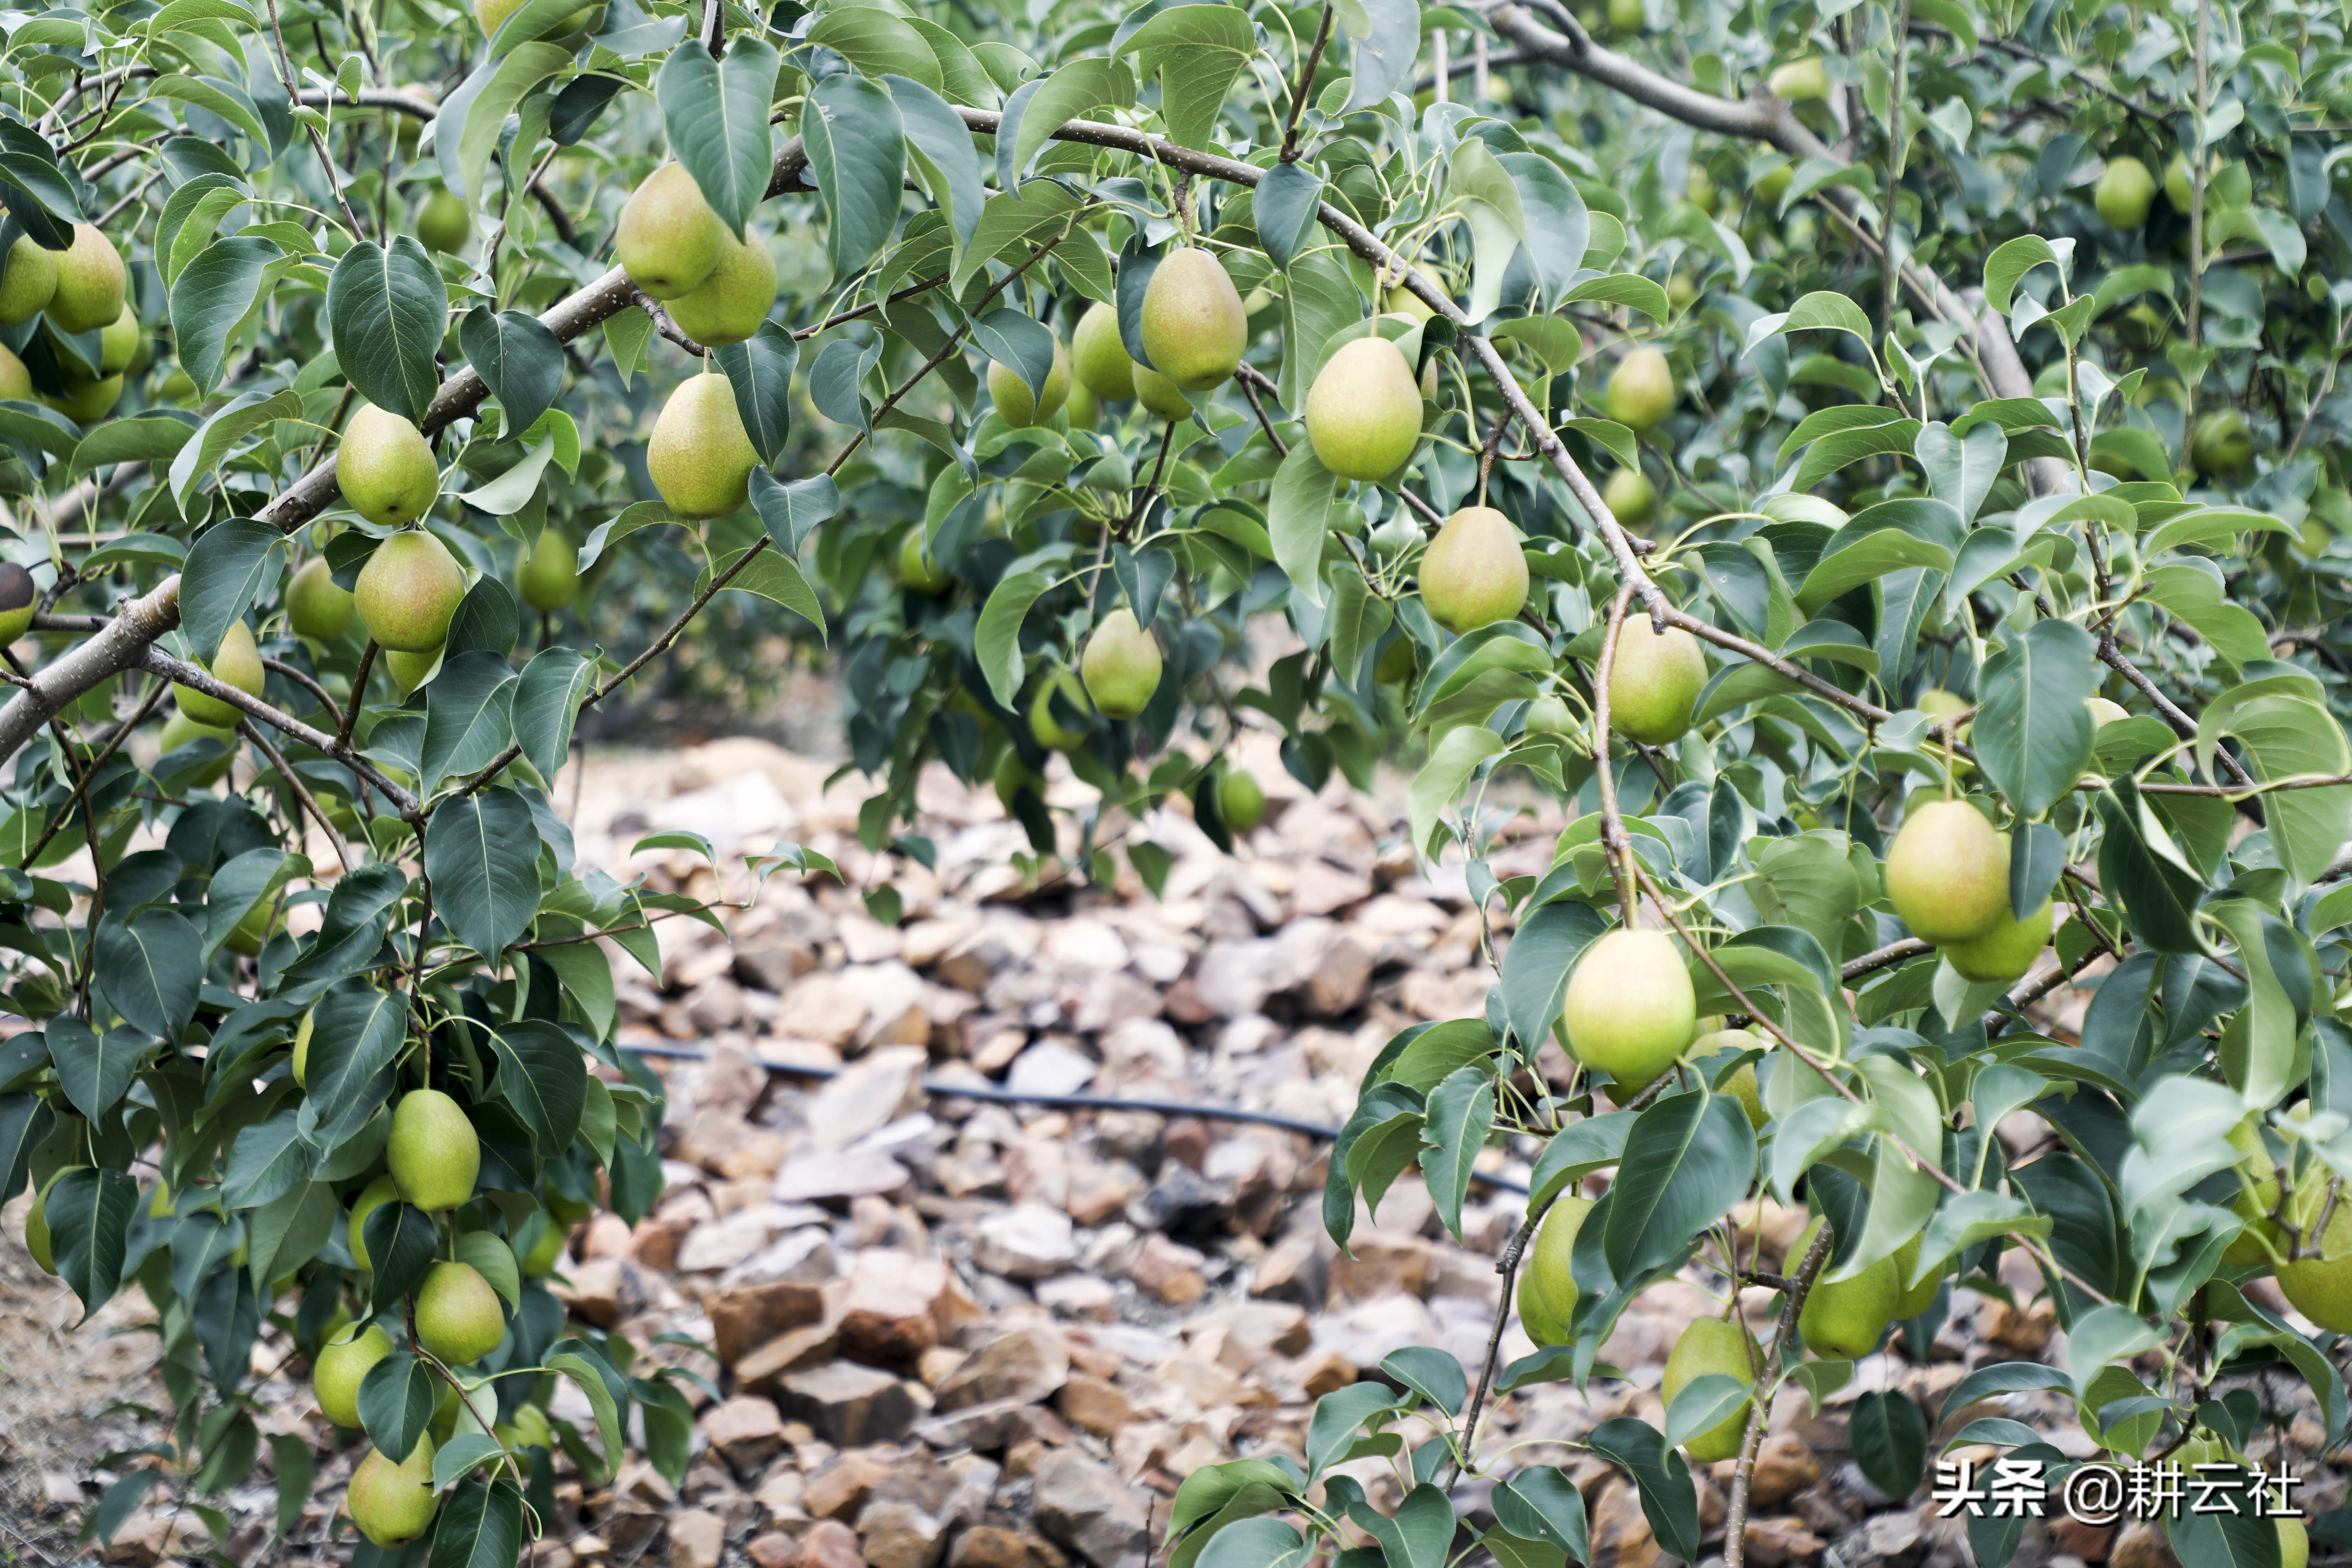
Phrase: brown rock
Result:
[1093,1405]
[789,1352]
[849,1405]
[840,1486]
[2027,1332]
[604,1292]
[2091,1543]
[1784,1467]
[1169,1271]
[774,1550]
[900,1532]
[1027,1365]
[993,1427]
[1383,1264]
[829,1543]
[2141,1546]
[750,1316]
[1621,1534]
[744,1431]
[897,1306]
[1324,1371]
[1001,1546]
[698,1539]
[1084,1507]
[1774,1541]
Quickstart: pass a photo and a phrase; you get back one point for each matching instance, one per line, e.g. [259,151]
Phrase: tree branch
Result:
[1751,1442]
[181,672]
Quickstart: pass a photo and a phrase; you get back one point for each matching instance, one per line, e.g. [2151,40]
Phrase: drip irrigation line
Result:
[995,1096]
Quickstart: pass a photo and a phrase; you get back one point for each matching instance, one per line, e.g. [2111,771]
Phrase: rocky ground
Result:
[990,1336]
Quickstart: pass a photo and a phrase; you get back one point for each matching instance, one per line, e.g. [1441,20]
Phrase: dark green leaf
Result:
[547,702]
[1890,1439]
[788,511]
[543,1076]
[212,296]
[760,370]
[356,1031]
[1669,1499]
[481,1525]
[94,1069]
[387,308]
[469,715]
[2033,734]
[227,567]
[518,358]
[400,1241]
[1537,964]
[149,969]
[1687,1160]
[481,854]
[857,157]
[396,1399]
[88,1212]
[717,118]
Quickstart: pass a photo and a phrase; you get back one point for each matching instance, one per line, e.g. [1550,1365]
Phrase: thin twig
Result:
[1305,81]
[245,728]
[1752,1443]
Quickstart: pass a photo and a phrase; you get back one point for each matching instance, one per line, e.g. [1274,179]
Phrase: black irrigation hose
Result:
[1070,1102]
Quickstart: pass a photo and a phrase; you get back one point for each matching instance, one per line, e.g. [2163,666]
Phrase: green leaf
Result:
[150,438]
[2213,528]
[880,44]
[356,1031]
[469,715]
[210,297]
[788,512]
[857,156]
[1420,1534]
[1583,1146]
[1461,1115]
[1540,1504]
[387,308]
[494,1260]
[591,1382]
[1388,42]
[1843,448]
[1283,206]
[227,568]
[1895,536]
[1198,51]
[716,114]
[1040,108]
[2012,262]
[1339,1416]
[518,358]
[1298,517]
[1255,1543]
[1630,289]
[396,1399]
[1703,1405]
[89,1211]
[543,1078]
[996,640]
[1687,1160]
[215,97]
[481,854]
[1961,468]
[1441,778]
[291,1465]
[1318,300]
[547,702]
[495,98]
[237,419]
[2286,732]
[1890,1441]
[1536,965]
[2032,734]
[95,1071]
[1431,1373]
[149,970]
[1669,1499]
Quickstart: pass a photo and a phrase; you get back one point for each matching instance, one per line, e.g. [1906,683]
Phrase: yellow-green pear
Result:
[343,1364]
[385,467]
[916,568]
[1681,289]
[86,401]
[700,458]
[1698,185]
[1098,355]
[1712,1347]
[2258,1192]
[15,381]
[1160,394]
[28,282]
[2320,1286]
[548,573]
[19,598]
[547,1251]
[1630,497]
[1775,185]
[1742,1085]
[92,282]
[237,663]
[1082,410]
[2220,446]
[2005,952]
[1012,776]
[1192,323]
[1048,729]
[410,670]
[260,922]
[1473,573]
[668,240]
[1016,405]
[179,730]
[394,1504]
[408,591]
[1942,705]
[1363,413]
[1241,800]
[2176,190]
[1913,1300]
[2295,1542]
[433,1153]
[528,1429]
[1641,390]
[443,223]
[727,306]
[118,342]
[1548,1292]
[458,1318]
[317,606]
[2125,192]
[1845,1321]
[1630,1009]
[376,1193]
[1947,873]
[1654,681]
[1627,17]
[1801,80]
[1120,667]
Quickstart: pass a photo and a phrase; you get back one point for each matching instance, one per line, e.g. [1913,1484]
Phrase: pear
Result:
[458,1318]
[729,306]
[1630,1009]
[1160,394]
[1774,185]
[1241,801]
[238,663]
[1012,776]
[408,591]
[668,240]
[260,922]
[1363,413]
[917,569]
[1913,1300]
[2257,1197]
[179,730]
[2220,446]
[2320,1287]
[1193,326]
[1627,17]
[2176,190]
[1120,666]
[1473,573]
[2125,192]
[1681,289]
[2295,1542]
[92,282]
[1081,410]
[1630,497]
[85,401]
[1937,703]
[317,606]
[376,1193]
[1397,663]
[1097,354]
[385,467]
[1698,186]
[1548,1290]
[409,671]
[1844,1321]
[2005,952]
[433,1153]
[19,598]
[118,343]
[700,458]
[1801,80]
[1947,873]
[1641,390]
[394,1504]
[442,223]
[548,573]
[1654,682]
[1743,1086]
[28,282]
[1016,405]
[343,1364]
[1048,729]
[15,381]
[546,1252]
[528,1429]
[1712,1347]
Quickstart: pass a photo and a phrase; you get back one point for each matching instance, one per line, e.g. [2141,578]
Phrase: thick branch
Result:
[106,654]
[180,671]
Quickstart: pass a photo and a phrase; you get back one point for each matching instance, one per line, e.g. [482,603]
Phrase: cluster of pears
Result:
[1194,330]
[84,289]
[409,589]
[2320,1283]
[717,287]
[1947,875]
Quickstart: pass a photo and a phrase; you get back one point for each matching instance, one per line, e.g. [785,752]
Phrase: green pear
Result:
[1630,497]
[2005,952]
[729,305]
[1845,1321]
[1913,1300]
[237,663]
[1120,667]
[1160,394]
[394,1504]
[1937,703]
[458,1314]
[342,1364]
[2294,1544]
[528,1429]
[1654,682]
[85,401]
[2258,1192]
[1012,776]
[1681,289]
[179,730]
[385,467]
[381,1191]
[1547,1292]
[410,670]
[317,606]
[2176,190]
[28,282]
[700,458]
[2320,1287]
[1801,80]
[1775,185]
[1473,573]
[1712,1347]
[1241,800]
[92,282]
[1192,323]
[408,591]
[433,1153]
[1698,185]
[1363,413]
[1946,873]
[1049,729]
[668,240]
[917,570]
[1097,354]
[19,598]
[1081,410]
[1630,1009]
[1743,1086]
[1641,390]
[547,1251]
[2125,192]
[260,922]
[1627,17]
[444,223]
[118,342]
[1016,405]
[15,381]
[2220,446]
[548,573]
[1397,663]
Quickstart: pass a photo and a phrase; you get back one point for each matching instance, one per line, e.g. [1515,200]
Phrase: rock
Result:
[772,964]
[1051,1067]
[823,1007]
[1774,1541]
[1145,1048]
[745,1318]
[999,1546]
[849,1405]
[840,1176]
[1383,1264]
[774,1550]
[2027,1332]
[1086,1297]
[892,996]
[1170,1272]
[765,1368]
[897,1306]
[723,1243]
[1027,1365]
[1027,1241]
[805,1254]
[1183,1204]
[1784,1467]
[1324,1371]
[869,1093]
[1620,1532]
[1099,1190]
[723,1144]
[1113,1003]
[840,1486]
[2141,1546]
[745,1431]
[1886,1541]
[604,1292]
[715,1005]
[992,1427]
[1084,1507]
[698,1538]
[1093,1405]
[829,1543]
[1259,1327]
